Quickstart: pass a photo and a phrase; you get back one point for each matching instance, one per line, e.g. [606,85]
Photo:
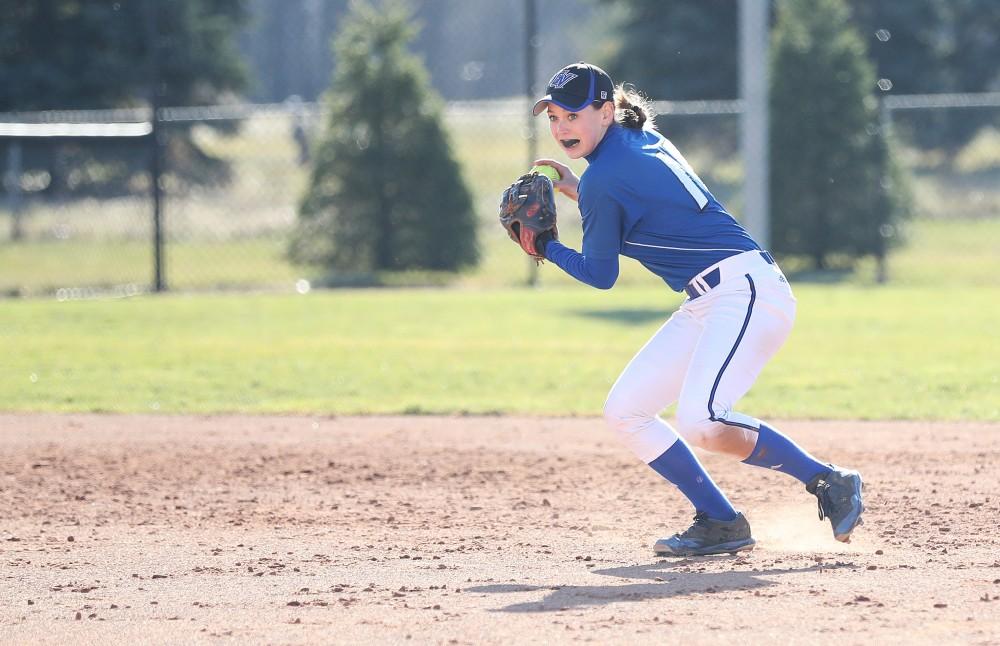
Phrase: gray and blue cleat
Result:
[708,536]
[838,494]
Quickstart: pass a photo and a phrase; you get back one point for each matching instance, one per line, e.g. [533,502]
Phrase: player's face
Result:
[578,133]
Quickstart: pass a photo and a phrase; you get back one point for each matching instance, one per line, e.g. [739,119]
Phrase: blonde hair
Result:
[632,110]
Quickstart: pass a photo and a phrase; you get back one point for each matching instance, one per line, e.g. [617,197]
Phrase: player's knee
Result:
[708,432]
[615,412]
[621,416]
[731,440]
[639,430]
[694,422]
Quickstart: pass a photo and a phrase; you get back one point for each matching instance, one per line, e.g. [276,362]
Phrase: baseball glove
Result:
[528,213]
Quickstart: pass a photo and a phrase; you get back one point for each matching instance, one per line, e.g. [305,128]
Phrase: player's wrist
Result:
[572,190]
[542,240]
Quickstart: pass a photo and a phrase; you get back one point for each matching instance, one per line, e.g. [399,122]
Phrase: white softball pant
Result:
[705,358]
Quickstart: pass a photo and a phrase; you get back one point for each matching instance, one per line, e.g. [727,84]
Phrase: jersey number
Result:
[684,174]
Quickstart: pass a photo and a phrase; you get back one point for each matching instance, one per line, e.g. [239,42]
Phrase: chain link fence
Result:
[77,209]
[80,216]
[950,147]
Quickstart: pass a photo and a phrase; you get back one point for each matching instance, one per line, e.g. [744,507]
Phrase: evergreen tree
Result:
[678,50]
[834,186]
[386,192]
[72,55]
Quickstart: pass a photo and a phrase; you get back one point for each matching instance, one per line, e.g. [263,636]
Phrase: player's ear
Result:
[607,113]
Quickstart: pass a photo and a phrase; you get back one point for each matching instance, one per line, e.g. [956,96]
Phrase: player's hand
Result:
[567,183]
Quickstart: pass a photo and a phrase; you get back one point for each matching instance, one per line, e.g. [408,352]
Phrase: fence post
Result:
[155,160]
[885,131]
[530,49]
[754,91]
[159,284]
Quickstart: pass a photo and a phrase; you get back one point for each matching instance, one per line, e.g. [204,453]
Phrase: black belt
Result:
[714,277]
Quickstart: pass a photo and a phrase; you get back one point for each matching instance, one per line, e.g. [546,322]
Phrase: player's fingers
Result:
[567,182]
[562,168]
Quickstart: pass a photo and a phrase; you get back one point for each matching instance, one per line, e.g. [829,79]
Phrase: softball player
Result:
[639,198]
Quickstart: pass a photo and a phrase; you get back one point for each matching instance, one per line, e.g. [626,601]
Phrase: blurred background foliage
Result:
[246,89]
[72,55]
[688,49]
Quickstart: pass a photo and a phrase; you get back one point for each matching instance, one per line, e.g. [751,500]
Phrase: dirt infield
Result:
[118,529]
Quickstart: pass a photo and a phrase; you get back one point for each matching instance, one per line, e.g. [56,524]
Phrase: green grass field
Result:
[894,352]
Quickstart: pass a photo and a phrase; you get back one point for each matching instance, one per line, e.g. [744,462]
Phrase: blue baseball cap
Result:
[576,86]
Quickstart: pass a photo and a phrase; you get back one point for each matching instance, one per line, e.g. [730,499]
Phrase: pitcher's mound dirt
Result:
[121,529]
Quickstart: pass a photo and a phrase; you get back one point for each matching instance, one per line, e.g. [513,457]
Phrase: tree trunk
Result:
[13,186]
[881,269]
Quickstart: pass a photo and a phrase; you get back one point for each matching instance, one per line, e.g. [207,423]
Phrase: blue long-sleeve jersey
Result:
[640,198]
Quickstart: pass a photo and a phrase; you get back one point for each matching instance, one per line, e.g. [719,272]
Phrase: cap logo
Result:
[561,79]
[604,95]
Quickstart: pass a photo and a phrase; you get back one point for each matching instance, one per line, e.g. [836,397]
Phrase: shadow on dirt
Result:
[668,583]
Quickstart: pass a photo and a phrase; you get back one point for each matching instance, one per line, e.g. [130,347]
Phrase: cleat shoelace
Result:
[697,529]
[822,495]
[825,502]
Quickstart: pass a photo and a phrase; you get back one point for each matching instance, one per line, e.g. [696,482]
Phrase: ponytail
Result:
[632,110]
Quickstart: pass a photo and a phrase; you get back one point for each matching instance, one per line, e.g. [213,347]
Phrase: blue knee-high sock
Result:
[777,451]
[681,467]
